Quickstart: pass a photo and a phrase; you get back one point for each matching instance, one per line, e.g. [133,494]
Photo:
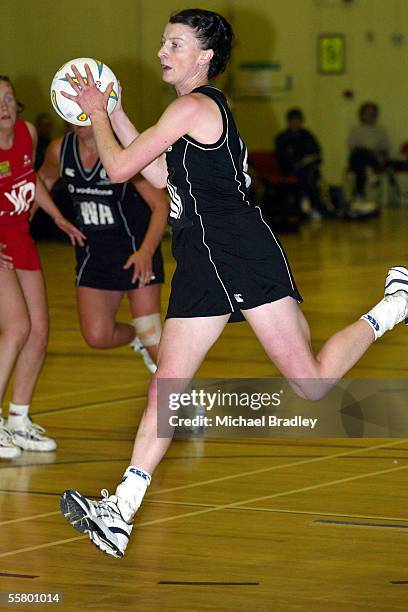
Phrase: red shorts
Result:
[20,246]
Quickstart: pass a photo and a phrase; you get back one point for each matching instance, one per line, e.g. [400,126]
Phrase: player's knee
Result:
[38,340]
[18,333]
[148,329]
[312,389]
[97,338]
[38,336]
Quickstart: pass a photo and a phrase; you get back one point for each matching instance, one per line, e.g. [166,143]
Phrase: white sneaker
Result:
[8,450]
[102,520]
[29,436]
[393,308]
[397,280]
[138,347]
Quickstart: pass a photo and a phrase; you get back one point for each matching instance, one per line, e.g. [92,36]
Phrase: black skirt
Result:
[101,267]
[227,263]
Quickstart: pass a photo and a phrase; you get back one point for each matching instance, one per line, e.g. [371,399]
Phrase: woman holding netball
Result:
[23,302]
[229,263]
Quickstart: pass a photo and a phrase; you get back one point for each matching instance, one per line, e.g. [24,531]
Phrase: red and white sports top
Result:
[17,178]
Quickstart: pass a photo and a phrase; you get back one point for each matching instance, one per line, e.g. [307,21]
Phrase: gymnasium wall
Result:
[39,35]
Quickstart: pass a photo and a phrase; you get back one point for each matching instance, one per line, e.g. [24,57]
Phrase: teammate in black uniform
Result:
[123,223]
[228,261]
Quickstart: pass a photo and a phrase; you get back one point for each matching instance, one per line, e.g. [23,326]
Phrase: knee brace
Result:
[148,329]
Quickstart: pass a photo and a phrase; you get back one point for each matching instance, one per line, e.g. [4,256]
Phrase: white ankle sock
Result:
[387,313]
[131,491]
[18,410]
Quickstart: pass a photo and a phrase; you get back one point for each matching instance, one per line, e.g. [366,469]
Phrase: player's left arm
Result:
[44,201]
[42,198]
[34,138]
[157,200]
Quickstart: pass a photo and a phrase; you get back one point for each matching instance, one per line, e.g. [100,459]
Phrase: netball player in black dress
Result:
[229,263]
[123,223]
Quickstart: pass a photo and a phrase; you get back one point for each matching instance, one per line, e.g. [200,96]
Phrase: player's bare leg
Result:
[284,333]
[14,331]
[26,434]
[97,310]
[109,521]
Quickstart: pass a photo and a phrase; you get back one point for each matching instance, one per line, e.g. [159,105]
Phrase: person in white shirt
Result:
[368,146]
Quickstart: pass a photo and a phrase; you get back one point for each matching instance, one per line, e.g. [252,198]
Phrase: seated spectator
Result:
[299,154]
[369,146]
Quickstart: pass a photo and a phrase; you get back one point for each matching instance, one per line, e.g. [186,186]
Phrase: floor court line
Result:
[246,508]
[227,506]
[286,511]
[361,524]
[41,398]
[91,405]
[277,467]
[252,473]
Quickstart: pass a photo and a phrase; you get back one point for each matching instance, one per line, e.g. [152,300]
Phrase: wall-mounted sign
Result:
[261,79]
[331,53]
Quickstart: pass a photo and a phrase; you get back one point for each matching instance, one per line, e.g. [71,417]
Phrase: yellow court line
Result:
[49,545]
[277,467]
[230,505]
[29,518]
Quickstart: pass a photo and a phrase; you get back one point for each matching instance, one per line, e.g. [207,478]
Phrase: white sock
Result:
[131,491]
[16,411]
[387,313]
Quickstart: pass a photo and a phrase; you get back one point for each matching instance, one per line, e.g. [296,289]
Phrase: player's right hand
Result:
[6,261]
[88,96]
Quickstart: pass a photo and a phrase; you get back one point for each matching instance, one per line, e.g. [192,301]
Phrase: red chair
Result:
[276,193]
[266,167]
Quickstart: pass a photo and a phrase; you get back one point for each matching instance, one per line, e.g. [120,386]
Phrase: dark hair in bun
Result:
[213,32]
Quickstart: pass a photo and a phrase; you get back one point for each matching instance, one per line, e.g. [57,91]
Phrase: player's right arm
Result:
[148,148]
[50,169]
[126,132]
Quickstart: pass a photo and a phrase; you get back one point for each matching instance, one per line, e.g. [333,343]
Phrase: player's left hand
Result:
[88,96]
[75,235]
[142,262]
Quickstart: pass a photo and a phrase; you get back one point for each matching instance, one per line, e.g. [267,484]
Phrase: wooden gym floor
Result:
[239,524]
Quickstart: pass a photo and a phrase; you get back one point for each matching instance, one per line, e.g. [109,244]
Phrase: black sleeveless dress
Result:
[228,258]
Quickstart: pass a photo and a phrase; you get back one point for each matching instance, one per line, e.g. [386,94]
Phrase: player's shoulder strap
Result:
[67,151]
[211,92]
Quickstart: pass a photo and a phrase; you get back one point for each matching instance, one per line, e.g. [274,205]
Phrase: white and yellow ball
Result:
[70,110]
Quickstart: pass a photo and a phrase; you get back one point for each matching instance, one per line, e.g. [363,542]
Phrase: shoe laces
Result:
[107,507]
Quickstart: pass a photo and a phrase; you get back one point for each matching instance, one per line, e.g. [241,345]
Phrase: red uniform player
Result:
[23,302]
